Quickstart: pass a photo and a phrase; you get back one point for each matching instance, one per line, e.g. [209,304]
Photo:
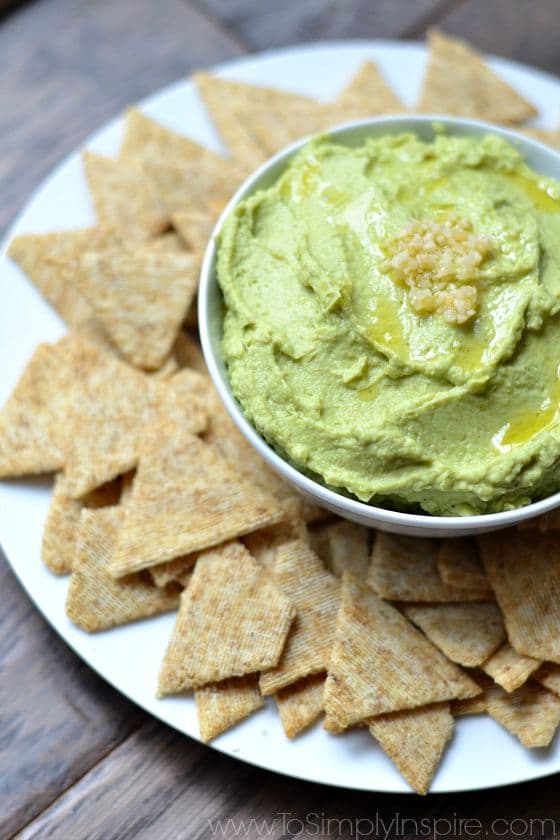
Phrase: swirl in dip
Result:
[392,321]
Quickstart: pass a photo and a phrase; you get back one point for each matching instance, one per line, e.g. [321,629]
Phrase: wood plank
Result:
[69,65]
[270,23]
[520,29]
[160,784]
[57,717]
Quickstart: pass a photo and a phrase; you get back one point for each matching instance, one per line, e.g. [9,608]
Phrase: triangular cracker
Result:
[194,227]
[124,198]
[146,140]
[509,669]
[185,498]
[174,571]
[300,704]
[32,420]
[459,83]
[405,569]
[549,676]
[51,261]
[525,574]
[220,706]
[141,299]
[97,602]
[531,713]
[415,740]
[381,663]
[316,595]
[348,548]
[466,633]
[233,620]
[367,94]
[60,535]
[264,543]
[203,184]
[459,565]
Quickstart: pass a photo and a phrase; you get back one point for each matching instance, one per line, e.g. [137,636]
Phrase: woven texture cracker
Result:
[459,83]
[97,602]
[145,141]
[124,198]
[185,498]
[51,261]
[202,184]
[315,594]
[174,571]
[141,299]
[509,668]
[415,741]
[466,633]
[525,575]
[367,94]
[301,704]
[60,535]
[381,663]
[549,676]
[232,621]
[221,705]
[459,565]
[348,548]
[531,713]
[405,569]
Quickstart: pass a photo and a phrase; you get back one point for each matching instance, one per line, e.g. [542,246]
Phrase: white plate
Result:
[482,753]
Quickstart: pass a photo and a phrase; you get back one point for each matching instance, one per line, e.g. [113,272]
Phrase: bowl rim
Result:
[325,496]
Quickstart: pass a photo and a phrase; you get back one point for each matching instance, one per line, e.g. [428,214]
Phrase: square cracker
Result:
[381,663]
[185,498]
[415,741]
[301,704]
[60,535]
[458,82]
[510,669]
[51,261]
[315,593]
[97,602]
[141,299]
[124,197]
[531,713]
[219,706]
[525,575]
[405,569]
[233,620]
[466,633]
[459,564]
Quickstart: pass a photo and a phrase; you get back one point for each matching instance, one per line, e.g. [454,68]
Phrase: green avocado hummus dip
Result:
[392,321]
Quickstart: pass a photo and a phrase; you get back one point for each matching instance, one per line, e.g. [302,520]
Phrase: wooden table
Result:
[77,760]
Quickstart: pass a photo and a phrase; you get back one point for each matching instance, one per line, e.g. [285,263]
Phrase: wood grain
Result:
[270,23]
[528,30]
[160,785]
[69,65]
[57,718]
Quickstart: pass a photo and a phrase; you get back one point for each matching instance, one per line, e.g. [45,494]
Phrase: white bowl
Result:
[210,313]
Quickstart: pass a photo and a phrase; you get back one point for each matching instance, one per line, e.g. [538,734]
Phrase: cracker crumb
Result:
[439,262]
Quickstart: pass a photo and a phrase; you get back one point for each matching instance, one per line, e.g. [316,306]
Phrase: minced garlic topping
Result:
[439,262]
